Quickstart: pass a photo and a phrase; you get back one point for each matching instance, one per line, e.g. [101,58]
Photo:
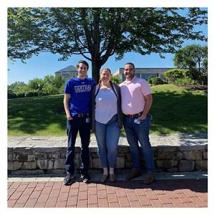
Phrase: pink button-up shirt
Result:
[133,93]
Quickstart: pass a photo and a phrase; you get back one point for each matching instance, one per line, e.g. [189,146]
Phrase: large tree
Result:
[98,33]
[192,57]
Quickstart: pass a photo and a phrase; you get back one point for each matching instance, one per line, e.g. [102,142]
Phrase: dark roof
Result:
[66,69]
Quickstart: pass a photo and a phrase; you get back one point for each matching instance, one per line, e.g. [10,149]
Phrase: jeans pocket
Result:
[147,119]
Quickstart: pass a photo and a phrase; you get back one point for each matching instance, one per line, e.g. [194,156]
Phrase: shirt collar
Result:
[132,80]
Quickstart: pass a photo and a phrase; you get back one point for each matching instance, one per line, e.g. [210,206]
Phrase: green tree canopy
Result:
[98,33]
[18,87]
[192,57]
[52,84]
[195,59]
[36,85]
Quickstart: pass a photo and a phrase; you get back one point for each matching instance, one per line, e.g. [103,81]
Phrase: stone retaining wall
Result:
[49,159]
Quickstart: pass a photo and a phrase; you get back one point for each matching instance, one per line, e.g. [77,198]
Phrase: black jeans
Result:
[73,127]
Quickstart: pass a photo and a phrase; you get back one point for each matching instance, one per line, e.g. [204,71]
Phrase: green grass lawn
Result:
[174,110]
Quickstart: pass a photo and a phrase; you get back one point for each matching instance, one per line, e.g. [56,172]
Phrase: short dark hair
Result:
[129,63]
[84,62]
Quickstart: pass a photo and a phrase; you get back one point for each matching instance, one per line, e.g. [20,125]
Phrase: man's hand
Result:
[142,117]
[66,106]
[148,103]
[69,117]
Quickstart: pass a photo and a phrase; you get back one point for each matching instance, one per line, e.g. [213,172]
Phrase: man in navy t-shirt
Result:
[77,105]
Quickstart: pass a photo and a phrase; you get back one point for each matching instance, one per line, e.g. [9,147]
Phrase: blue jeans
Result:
[107,137]
[139,133]
[73,127]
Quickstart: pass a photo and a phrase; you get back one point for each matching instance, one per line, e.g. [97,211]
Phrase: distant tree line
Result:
[50,85]
[191,69]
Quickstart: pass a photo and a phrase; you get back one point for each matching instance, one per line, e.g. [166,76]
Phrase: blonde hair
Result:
[102,70]
[105,69]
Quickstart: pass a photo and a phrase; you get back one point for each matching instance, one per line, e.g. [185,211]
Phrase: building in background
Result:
[144,73]
[67,72]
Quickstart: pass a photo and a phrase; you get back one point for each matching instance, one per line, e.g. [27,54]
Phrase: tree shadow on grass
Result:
[172,112]
[30,115]
[184,112]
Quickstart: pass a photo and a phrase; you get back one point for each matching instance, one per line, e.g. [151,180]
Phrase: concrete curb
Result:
[121,176]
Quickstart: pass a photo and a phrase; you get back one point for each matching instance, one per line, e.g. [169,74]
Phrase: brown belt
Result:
[133,115]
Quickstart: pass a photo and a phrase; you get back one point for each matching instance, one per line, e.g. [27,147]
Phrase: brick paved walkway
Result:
[164,193]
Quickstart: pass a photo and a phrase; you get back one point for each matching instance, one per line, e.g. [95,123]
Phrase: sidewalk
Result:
[168,191]
[176,139]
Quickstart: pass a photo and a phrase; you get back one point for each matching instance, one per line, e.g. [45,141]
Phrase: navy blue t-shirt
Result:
[81,95]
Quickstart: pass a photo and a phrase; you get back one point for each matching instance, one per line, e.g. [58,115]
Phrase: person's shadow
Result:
[195,185]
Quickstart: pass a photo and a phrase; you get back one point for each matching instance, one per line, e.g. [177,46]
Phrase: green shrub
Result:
[155,80]
[173,74]
[20,95]
[203,79]
[115,80]
[180,77]
[185,81]
[11,95]
[31,94]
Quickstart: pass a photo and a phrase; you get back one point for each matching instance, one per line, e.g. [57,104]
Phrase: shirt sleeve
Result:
[145,88]
[68,87]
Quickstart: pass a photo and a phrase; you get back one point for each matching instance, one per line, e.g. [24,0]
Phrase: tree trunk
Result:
[199,65]
[96,70]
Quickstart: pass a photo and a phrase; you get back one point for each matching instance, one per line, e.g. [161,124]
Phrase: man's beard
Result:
[130,76]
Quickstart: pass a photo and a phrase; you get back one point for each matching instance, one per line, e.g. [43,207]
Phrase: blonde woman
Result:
[107,121]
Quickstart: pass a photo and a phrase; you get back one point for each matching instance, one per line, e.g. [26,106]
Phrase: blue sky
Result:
[47,63]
